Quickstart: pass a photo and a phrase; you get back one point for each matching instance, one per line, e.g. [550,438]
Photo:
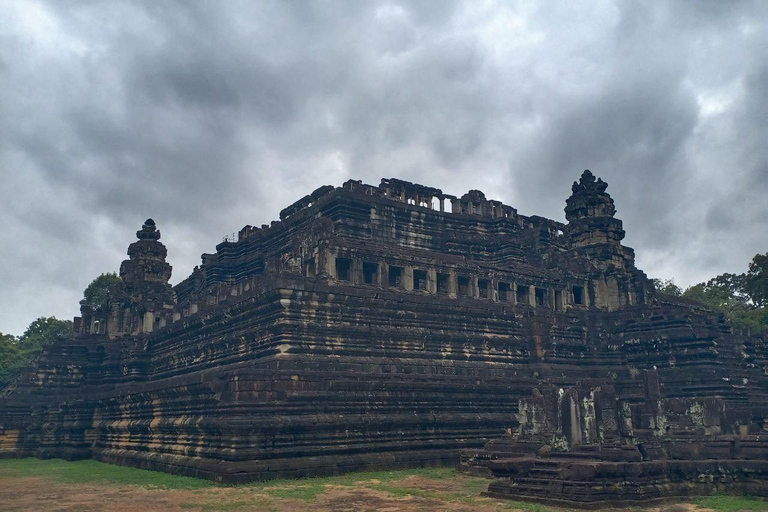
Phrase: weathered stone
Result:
[372,328]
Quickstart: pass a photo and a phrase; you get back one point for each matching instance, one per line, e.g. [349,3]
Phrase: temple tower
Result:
[144,300]
[594,236]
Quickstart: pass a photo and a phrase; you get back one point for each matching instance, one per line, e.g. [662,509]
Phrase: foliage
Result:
[756,280]
[18,353]
[667,286]
[742,298]
[96,294]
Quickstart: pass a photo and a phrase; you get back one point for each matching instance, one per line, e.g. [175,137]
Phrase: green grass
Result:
[91,471]
[726,503]
[467,489]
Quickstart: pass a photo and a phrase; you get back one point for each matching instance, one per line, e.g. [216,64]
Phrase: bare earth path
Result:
[102,489]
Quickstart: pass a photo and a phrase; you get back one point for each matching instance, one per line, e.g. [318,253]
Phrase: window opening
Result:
[522,295]
[578,295]
[442,283]
[343,267]
[482,288]
[420,280]
[503,291]
[464,286]
[395,277]
[370,273]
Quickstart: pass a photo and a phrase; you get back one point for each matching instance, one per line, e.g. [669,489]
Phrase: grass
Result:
[91,471]
[467,489]
[727,503]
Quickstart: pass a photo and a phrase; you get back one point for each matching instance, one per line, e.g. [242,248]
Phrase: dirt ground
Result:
[457,494]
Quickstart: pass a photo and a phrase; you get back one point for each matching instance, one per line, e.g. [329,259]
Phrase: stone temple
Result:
[397,326]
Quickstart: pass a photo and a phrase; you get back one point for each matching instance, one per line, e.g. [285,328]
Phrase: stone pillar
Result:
[356,271]
[532,296]
[513,291]
[408,278]
[453,285]
[149,322]
[442,204]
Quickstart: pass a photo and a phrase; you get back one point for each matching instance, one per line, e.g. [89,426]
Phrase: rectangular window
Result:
[309,267]
[420,280]
[442,283]
[558,300]
[464,286]
[343,269]
[541,297]
[578,295]
[503,291]
[482,288]
[395,277]
[370,273]
[522,294]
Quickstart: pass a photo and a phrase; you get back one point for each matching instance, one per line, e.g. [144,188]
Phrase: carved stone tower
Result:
[594,236]
[590,214]
[145,300]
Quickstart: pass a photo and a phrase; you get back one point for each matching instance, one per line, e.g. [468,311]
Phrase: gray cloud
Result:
[208,117]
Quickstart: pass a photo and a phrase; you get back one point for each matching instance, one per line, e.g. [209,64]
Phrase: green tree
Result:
[17,353]
[96,294]
[43,331]
[728,294]
[667,286]
[9,355]
[756,280]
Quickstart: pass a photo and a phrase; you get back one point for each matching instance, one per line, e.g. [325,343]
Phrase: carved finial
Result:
[587,182]
[148,231]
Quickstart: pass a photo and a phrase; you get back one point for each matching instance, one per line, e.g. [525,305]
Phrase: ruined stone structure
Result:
[392,326]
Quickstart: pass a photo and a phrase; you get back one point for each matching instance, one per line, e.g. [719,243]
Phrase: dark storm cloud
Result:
[208,116]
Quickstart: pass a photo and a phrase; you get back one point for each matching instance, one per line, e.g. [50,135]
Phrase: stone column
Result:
[149,322]
[408,278]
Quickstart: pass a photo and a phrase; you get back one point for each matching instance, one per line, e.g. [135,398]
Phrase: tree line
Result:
[17,352]
[742,298]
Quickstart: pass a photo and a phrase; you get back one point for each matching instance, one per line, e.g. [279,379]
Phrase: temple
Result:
[396,326]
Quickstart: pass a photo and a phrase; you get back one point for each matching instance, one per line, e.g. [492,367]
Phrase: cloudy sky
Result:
[207,116]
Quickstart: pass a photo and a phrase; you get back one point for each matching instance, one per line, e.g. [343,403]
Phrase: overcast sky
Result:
[208,116]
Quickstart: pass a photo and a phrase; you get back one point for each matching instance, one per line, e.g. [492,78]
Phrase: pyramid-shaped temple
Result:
[397,326]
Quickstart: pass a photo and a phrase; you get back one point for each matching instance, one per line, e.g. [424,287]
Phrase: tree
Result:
[667,286]
[43,331]
[756,280]
[17,353]
[9,355]
[96,294]
[728,294]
